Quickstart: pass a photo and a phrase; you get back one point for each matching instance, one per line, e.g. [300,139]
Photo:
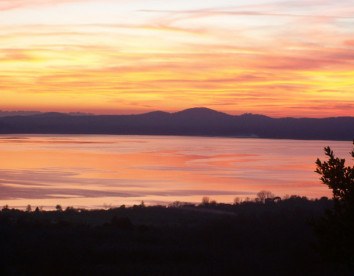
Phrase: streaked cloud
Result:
[137,56]
[18,4]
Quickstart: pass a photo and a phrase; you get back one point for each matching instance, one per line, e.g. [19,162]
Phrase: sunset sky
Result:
[285,58]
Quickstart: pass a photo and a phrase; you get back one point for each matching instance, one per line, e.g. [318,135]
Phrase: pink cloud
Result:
[349,43]
[13,55]
[16,4]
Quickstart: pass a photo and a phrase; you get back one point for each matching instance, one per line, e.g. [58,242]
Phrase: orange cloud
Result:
[261,59]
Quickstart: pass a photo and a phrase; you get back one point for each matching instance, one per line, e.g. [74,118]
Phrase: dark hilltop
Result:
[190,122]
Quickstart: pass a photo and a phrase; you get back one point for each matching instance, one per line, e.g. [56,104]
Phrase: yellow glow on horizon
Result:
[141,59]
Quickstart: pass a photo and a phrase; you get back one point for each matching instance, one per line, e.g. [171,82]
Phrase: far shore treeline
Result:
[190,122]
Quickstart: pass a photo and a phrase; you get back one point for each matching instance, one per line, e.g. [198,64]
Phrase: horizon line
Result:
[87,113]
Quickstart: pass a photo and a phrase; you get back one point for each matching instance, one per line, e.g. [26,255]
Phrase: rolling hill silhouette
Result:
[191,122]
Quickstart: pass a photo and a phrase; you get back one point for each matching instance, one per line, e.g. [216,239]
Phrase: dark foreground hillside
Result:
[210,239]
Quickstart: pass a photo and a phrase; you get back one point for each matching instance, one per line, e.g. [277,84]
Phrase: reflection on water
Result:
[92,171]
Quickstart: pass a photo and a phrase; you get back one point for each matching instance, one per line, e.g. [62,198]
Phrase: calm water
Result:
[101,171]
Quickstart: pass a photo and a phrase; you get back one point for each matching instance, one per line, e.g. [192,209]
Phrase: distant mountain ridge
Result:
[29,113]
[190,122]
[17,113]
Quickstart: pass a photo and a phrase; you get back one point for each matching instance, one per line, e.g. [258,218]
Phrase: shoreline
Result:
[163,135]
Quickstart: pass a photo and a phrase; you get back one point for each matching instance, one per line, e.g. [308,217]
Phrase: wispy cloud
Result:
[18,4]
[168,55]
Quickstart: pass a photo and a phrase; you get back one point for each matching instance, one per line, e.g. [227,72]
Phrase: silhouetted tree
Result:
[29,208]
[237,200]
[263,195]
[58,208]
[339,179]
[335,231]
[213,203]
[70,209]
[205,200]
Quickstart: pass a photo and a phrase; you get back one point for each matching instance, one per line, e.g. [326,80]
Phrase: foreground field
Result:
[273,238]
